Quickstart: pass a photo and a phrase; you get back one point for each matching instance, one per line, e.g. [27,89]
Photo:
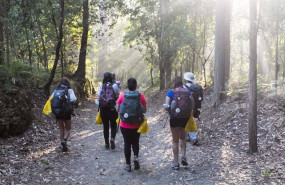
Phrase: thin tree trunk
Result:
[58,46]
[81,69]
[162,51]
[151,76]
[253,78]
[1,33]
[227,43]
[221,51]
[61,62]
[277,45]
[7,32]
[29,46]
[43,42]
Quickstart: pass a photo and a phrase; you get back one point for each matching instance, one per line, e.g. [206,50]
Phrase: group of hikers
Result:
[130,106]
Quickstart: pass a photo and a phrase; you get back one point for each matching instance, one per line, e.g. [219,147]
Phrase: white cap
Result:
[188,76]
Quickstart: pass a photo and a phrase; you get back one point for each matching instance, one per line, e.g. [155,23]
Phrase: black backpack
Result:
[60,102]
[131,110]
[197,94]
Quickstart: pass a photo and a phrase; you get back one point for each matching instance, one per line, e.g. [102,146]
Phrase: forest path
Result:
[88,162]
[220,158]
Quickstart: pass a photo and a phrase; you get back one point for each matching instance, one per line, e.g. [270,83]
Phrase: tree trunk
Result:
[221,50]
[58,46]
[7,32]
[29,46]
[151,76]
[277,45]
[227,43]
[204,72]
[81,69]
[1,32]
[162,51]
[102,63]
[43,42]
[253,78]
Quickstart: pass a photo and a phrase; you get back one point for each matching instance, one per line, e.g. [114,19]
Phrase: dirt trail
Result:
[217,159]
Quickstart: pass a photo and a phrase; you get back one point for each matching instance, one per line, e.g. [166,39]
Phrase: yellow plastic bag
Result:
[144,128]
[47,107]
[191,125]
[118,120]
[98,119]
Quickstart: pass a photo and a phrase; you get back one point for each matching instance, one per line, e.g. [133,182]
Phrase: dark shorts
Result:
[178,122]
[63,117]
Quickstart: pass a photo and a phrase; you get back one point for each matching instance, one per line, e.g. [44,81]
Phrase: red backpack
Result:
[181,103]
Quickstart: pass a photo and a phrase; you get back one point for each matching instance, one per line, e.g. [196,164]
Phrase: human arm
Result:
[119,101]
[143,102]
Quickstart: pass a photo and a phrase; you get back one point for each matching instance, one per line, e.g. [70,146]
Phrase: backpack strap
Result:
[187,87]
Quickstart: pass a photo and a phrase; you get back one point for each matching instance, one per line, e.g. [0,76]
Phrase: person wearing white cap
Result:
[190,79]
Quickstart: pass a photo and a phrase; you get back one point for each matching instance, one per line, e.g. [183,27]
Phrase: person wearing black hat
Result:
[108,93]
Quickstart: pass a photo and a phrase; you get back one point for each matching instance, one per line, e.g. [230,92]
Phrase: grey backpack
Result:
[131,110]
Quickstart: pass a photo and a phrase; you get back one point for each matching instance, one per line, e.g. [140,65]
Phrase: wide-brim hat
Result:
[188,76]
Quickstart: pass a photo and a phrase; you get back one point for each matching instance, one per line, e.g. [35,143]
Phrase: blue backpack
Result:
[131,110]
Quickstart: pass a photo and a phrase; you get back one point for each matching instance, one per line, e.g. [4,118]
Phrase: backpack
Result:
[197,94]
[181,104]
[131,110]
[60,101]
[107,97]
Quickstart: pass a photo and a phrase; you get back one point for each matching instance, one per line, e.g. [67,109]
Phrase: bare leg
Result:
[182,141]
[175,140]
[67,128]
[61,128]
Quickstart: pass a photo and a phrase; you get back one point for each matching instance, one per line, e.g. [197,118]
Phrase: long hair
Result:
[178,82]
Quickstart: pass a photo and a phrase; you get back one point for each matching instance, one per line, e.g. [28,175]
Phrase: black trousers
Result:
[109,117]
[131,140]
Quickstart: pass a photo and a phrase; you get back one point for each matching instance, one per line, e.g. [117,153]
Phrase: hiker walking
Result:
[108,93]
[179,104]
[197,94]
[63,96]
[131,106]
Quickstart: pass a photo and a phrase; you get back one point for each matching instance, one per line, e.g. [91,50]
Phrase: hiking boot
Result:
[136,164]
[128,167]
[184,161]
[175,166]
[112,142]
[64,145]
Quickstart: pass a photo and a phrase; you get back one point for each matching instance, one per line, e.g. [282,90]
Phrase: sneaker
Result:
[136,164]
[64,145]
[128,167]
[175,167]
[112,142]
[184,161]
